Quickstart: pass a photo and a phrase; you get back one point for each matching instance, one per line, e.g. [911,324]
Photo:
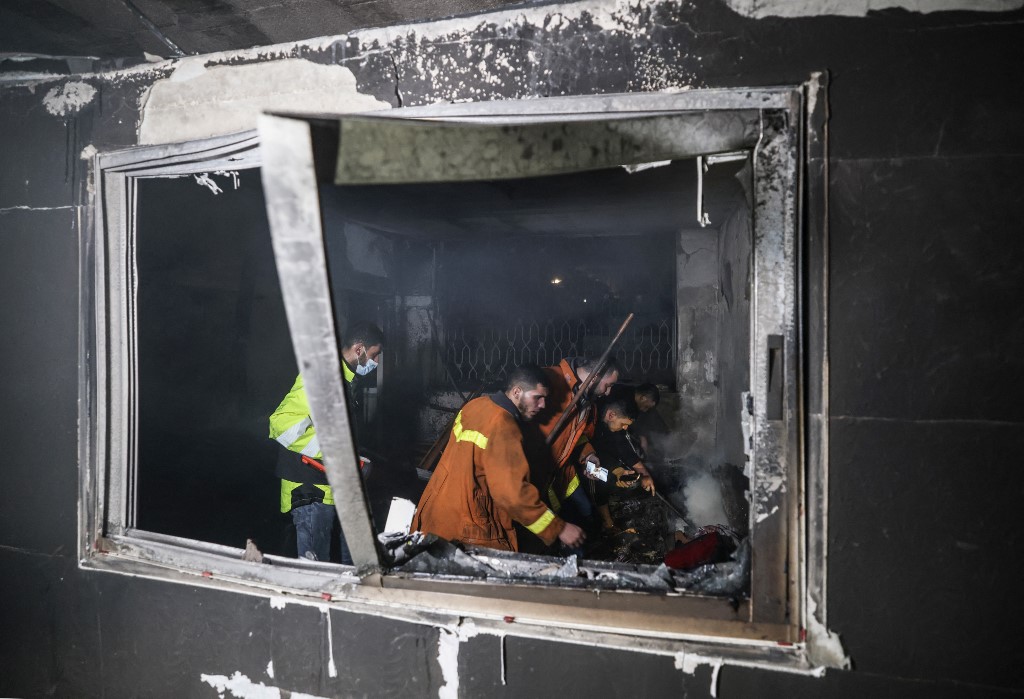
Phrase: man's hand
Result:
[647,483]
[572,536]
[624,477]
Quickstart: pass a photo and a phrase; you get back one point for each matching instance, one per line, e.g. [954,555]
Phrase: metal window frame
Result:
[793,134]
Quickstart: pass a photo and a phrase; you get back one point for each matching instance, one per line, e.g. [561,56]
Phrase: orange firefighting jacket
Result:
[482,482]
[577,431]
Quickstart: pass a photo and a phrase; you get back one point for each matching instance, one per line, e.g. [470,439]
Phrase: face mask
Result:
[364,369]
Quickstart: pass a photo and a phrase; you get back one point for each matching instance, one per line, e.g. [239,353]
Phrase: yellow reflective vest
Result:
[292,427]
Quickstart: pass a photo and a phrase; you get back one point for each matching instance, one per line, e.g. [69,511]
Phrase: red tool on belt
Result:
[364,463]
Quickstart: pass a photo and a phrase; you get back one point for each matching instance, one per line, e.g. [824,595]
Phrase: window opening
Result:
[399,282]
[494,274]
[451,163]
[214,358]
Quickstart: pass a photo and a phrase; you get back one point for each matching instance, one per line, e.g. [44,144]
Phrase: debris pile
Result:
[652,548]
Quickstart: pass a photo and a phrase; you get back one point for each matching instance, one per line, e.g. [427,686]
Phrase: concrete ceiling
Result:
[608,202]
[126,30]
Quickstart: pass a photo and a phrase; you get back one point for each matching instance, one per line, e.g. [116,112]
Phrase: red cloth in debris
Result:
[693,553]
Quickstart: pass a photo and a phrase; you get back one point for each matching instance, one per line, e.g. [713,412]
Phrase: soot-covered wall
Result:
[925,269]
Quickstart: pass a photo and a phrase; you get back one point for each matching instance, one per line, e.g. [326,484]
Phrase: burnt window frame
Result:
[795,208]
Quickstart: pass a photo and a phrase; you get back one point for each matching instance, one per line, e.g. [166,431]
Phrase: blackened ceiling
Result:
[110,30]
[598,203]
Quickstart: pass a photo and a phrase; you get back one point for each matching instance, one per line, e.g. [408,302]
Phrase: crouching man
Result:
[482,482]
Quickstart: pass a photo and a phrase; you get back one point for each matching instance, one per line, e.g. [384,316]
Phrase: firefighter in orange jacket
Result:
[572,444]
[482,482]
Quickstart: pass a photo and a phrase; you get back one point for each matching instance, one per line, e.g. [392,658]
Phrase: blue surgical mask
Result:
[364,369]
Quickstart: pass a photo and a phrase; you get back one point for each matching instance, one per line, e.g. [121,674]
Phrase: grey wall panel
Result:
[33,637]
[924,531]
[744,682]
[39,373]
[558,670]
[928,273]
[40,150]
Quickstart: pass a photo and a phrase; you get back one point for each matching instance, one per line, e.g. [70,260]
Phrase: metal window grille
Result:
[486,354]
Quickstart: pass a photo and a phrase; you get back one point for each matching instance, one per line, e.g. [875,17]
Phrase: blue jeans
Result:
[313,526]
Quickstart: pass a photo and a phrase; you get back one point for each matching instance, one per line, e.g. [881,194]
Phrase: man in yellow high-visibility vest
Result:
[305,491]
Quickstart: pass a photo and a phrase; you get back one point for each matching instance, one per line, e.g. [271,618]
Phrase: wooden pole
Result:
[587,382]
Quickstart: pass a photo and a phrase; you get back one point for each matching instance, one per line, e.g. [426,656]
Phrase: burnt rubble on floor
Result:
[634,558]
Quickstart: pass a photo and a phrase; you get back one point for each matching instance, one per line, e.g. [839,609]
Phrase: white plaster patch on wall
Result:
[278,602]
[270,669]
[448,658]
[88,153]
[332,669]
[760,9]
[824,648]
[68,98]
[448,642]
[204,102]
[689,662]
[241,687]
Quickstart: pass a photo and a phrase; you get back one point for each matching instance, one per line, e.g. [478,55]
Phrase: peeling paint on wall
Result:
[606,14]
[760,9]
[68,98]
[770,478]
[504,67]
[197,101]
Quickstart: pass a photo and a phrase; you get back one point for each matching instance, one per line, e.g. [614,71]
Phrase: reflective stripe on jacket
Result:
[482,482]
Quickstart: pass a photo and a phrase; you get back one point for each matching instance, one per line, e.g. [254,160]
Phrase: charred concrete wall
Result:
[698,328]
[734,246]
[925,275]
